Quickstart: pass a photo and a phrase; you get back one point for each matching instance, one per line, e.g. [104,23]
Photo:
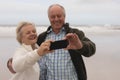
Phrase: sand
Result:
[104,65]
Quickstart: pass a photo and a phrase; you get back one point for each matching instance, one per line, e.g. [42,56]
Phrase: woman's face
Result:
[29,35]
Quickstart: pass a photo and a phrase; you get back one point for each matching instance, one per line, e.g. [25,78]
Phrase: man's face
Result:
[57,17]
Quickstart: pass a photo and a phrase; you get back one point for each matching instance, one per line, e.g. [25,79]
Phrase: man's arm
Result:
[9,66]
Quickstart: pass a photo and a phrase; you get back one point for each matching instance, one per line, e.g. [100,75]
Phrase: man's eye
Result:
[52,17]
[59,16]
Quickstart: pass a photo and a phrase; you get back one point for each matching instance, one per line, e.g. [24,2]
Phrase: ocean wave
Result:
[9,31]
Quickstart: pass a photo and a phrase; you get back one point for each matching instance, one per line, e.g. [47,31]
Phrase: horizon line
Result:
[70,24]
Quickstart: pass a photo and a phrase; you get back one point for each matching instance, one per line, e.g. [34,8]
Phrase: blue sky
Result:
[77,11]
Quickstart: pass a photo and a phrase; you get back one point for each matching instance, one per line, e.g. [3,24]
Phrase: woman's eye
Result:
[28,33]
[34,31]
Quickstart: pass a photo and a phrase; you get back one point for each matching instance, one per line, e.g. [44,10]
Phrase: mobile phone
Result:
[59,44]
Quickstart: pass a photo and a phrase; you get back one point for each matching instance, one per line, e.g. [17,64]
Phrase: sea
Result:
[104,65]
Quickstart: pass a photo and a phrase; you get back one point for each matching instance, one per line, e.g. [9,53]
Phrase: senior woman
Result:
[25,59]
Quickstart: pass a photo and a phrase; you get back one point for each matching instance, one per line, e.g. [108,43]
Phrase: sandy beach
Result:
[104,65]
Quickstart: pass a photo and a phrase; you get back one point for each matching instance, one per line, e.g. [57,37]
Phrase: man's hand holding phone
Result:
[74,41]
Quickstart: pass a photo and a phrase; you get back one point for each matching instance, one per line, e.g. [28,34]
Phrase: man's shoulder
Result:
[41,37]
[42,34]
[74,30]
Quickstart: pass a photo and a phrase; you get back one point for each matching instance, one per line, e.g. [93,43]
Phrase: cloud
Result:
[76,10]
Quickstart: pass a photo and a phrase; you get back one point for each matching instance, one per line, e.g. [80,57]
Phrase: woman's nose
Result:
[32,33]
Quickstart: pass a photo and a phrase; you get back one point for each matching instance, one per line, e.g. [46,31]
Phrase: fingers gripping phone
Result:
[59,44]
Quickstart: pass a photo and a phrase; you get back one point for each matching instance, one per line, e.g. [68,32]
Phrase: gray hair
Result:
[59,6]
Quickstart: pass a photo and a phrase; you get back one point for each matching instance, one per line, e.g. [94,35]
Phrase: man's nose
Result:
[56,18]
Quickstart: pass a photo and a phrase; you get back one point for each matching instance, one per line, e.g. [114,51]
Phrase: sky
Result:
[78,12]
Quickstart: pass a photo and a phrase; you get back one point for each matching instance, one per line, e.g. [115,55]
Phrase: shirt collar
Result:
[51,30]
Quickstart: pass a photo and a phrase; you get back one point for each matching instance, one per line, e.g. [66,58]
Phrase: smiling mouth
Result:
[32,37]
[57,23]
